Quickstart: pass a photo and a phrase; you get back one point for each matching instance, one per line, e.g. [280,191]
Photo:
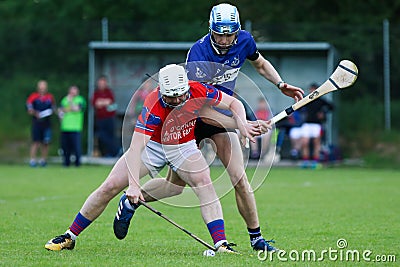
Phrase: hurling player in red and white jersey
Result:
[164,135]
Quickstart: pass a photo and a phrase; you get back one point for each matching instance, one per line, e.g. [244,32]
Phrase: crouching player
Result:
[164,135]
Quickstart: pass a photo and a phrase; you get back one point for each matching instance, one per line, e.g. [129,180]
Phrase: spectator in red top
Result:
[105,112]
[259,148]
[40,106]
[137,101]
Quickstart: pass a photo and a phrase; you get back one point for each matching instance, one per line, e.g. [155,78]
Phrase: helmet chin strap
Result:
[219,51]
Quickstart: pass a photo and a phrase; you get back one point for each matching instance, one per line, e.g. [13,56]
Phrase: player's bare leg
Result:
[116,181]
[228,144]
[199,179]
[196,174]
[94,205]
[159,188]
[155,188]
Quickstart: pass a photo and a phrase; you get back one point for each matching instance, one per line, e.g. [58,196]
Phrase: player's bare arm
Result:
[133,161]
[213,117]
[265,68]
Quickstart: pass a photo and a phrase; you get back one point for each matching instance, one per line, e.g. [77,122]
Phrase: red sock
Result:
[217,230]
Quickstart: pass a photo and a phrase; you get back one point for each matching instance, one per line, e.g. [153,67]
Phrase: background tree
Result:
[48,39]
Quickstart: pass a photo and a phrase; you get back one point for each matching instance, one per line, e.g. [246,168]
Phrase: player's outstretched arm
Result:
[213,117]
[133,163]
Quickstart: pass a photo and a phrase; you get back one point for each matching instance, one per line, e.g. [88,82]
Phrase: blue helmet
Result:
[224,19]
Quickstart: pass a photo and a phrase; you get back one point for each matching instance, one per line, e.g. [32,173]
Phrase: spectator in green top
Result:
[71,115]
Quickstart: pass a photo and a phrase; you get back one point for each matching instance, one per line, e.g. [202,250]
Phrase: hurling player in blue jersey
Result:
[216,58]
[227,44]
[230,46]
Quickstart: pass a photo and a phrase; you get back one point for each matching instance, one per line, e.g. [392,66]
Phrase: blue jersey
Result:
[202,57]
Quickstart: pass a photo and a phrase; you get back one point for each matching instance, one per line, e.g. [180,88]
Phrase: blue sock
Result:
[79,224]
[217,230]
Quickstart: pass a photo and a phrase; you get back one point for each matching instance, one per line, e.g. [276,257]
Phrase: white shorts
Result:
[311,130]
[155,155]
[295,133]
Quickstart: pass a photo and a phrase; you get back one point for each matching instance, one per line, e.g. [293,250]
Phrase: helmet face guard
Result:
[173,81]
[222,49]
[224,19]
[178,105]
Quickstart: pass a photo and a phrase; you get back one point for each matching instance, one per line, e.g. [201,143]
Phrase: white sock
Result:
[73,236]
[219,243]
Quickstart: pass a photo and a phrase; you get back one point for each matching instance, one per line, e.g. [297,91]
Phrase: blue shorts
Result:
[41,133]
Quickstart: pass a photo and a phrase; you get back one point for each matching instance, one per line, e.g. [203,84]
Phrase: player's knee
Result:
[240,183]
[108,189]
[200,180]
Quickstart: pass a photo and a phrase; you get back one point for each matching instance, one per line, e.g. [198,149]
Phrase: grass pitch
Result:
[303,210]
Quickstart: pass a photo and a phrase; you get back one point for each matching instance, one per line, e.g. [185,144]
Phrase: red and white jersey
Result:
[171,126]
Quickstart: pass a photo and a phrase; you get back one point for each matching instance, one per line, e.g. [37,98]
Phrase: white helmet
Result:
[173,80]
